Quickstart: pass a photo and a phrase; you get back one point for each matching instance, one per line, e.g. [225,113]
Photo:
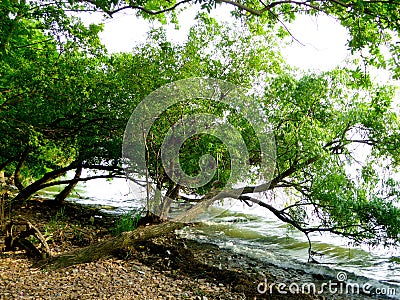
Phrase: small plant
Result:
[55,224]
[127,221]
[52,225]
[33,239]
[61,213]
[77,233]
[49,229]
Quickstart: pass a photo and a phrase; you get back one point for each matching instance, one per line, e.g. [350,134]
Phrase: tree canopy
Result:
[373,26]
[65,102]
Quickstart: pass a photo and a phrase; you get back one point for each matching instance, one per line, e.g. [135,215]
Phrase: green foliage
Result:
[56,222]
[324,125]
[65,103]
[55,226]
[236,56]
[43,62]
[127,222]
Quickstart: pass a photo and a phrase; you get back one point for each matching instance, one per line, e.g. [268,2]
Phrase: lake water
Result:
[257,233]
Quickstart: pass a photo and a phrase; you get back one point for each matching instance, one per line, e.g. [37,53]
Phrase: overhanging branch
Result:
[132,5]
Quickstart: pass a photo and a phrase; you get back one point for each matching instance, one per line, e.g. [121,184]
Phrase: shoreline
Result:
[167,267]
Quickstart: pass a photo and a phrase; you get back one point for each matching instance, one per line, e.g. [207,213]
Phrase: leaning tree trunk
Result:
[68,189]
[17,172]
[126,240]
[40,183]
[108,247]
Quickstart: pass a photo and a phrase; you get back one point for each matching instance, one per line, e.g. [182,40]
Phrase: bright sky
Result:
[323,43]
[323,39]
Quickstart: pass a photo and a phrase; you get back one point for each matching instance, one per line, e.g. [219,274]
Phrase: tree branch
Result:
[281,215]
[138,7]
[68,181]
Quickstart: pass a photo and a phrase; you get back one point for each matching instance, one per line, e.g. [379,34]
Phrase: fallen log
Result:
[126,240]
[109,247]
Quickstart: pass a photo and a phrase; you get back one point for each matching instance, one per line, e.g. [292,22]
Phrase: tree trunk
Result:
[172,194]
[108,247]
[155,203]
[38,184]
[27,192]
[68,189]
[17,172]
[126,239]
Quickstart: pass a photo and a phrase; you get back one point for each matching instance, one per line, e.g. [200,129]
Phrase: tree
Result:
[236,57]
[62,134]
[317,119]
[317,136]
[317,122]
[37,74]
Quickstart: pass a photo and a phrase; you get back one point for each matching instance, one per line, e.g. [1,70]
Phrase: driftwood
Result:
[18,239]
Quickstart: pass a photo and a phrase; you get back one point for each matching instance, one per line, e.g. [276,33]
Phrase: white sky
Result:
[324,41]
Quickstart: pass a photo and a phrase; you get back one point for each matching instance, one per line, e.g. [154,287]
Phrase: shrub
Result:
[127,221]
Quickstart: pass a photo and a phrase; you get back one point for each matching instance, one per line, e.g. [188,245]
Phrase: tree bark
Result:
[68,189]
[17,172]
[16,239]
[108,247]
[126,240]
[28,191]
[165,206]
